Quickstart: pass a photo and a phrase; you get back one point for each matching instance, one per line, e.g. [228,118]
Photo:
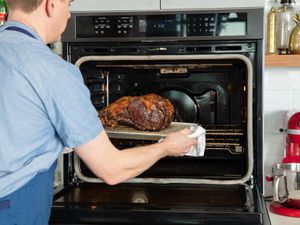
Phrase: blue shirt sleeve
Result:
[70,109]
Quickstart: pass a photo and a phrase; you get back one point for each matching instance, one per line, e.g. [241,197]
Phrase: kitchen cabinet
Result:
[211,4]
[114,5]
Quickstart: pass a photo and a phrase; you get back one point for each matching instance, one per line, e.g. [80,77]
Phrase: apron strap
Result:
[21,30]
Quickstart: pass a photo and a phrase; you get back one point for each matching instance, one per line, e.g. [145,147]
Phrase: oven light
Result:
[93,205]
[233,16]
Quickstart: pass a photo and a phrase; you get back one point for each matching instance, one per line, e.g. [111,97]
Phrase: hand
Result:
[178,143]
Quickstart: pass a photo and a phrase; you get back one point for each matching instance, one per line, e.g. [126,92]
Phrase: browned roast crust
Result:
[147,112]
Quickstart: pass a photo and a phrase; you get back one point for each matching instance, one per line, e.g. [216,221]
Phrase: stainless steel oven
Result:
[209,65]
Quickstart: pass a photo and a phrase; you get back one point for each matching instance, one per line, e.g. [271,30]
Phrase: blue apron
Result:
[31,204]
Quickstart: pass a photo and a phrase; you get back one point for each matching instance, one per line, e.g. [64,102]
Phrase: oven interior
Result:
[210,92]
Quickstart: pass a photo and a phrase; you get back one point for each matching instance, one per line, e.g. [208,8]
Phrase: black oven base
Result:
[83,217]
[205,206]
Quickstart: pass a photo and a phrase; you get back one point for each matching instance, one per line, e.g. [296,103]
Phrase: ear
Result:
[50,6]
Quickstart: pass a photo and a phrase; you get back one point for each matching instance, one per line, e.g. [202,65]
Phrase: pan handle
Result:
[276,196]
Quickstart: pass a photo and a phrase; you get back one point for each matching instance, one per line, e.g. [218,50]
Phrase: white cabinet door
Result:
[210,4]
[114,5]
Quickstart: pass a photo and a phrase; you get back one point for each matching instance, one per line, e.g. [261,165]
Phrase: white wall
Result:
[281,94]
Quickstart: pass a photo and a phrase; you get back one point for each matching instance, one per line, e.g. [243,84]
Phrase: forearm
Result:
[134,161]
[115,166]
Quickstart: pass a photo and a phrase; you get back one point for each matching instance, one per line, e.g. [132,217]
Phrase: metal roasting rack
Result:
[225,137]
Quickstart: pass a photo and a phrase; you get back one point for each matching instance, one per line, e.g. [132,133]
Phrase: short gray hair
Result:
[26,6]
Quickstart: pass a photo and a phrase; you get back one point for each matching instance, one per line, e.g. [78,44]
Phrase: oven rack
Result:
[126,132]
[230,133]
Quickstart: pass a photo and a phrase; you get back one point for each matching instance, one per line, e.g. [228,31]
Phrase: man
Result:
[44,106]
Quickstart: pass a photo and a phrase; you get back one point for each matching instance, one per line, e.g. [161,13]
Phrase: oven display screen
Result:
[162,26]
[232,24]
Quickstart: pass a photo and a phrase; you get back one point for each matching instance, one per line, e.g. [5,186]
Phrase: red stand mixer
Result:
[293,140]
[286,175]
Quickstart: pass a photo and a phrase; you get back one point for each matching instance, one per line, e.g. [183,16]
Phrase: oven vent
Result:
[198,49]
[95,50]
[228,48]
[125,50]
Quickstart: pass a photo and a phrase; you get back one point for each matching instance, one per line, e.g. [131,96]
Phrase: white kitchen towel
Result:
[198,149]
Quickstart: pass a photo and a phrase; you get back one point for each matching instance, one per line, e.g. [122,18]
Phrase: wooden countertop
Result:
[282,61]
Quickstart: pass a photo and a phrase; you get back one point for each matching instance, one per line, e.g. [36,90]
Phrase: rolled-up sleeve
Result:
[70,109]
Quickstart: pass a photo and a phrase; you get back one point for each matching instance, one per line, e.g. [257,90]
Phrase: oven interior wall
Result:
[203,92]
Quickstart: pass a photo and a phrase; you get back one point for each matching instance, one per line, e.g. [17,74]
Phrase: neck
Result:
[29,21]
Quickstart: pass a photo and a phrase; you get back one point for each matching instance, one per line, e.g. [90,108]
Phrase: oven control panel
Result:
[167,25]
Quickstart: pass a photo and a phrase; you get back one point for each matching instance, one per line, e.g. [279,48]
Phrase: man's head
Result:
[27,6]
[47,17]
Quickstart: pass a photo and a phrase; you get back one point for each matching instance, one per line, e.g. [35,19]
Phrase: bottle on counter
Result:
[3,12]
[272,29]
[285,25]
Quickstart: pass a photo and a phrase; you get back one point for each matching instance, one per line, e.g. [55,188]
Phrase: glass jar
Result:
[285,25]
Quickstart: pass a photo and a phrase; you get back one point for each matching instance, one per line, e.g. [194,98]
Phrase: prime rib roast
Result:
[148,112]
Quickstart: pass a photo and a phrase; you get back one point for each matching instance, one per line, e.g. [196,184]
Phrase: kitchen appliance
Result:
[286,198]
[209,64]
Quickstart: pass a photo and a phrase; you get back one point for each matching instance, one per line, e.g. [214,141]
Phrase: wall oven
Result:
[209,65]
